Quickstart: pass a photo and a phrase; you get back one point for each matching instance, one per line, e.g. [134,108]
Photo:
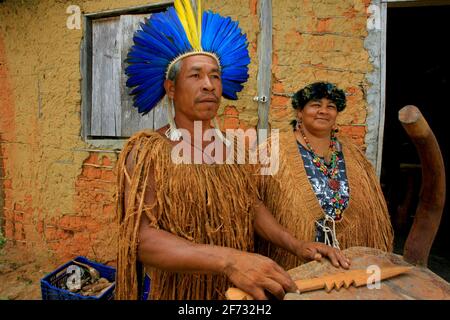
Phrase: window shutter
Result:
[131,120]
[113,114]
[106,69]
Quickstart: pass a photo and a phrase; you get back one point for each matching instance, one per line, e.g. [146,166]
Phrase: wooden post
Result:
[432,193]
[86,78]
[2,195]
[265,67]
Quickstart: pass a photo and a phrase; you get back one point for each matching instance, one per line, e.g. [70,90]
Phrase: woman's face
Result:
[319,115]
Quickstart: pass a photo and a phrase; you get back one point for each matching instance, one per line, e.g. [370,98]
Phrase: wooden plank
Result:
[131,120]
[86,78]
[414,3]
[102,107]
[382,106]
[106,65]
[419,283]
[112,113]
[265,65]
[144,9]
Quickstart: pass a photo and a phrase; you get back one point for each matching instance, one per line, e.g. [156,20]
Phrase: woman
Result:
[325,190]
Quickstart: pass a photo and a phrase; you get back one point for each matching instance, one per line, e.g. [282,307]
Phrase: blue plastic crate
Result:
[51,291]
[146,288]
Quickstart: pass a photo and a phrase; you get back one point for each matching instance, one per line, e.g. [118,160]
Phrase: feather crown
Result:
[169,36]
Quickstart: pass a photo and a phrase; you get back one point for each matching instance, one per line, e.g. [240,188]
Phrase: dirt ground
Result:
[20,274]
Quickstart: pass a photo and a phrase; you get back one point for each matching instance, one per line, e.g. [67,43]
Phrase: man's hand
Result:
[256,274]
[316,250]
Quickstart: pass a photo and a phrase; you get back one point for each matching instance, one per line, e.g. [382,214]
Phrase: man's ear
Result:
[169,86]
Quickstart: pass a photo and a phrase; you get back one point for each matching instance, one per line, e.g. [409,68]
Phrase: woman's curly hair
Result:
[317,91]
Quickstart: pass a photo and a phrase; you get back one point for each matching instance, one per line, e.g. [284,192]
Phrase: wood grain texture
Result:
[106,70]
[264,78]
[433,187]
[131,120]
[335,281]
[418,283]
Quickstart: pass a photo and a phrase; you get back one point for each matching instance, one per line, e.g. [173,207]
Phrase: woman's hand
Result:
[316,250]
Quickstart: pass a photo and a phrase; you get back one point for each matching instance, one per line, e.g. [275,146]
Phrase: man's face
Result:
[197,90]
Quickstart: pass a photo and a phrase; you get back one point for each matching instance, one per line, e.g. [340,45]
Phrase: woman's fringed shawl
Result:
[291,199]
[208,204]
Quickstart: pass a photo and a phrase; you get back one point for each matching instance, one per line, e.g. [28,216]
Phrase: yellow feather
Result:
[199,20]
[190,25]
[192,22]
[180,13]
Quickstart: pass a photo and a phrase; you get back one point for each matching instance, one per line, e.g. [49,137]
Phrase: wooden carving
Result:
[336,281]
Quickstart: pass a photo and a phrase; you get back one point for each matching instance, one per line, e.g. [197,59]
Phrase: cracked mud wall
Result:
[58,197]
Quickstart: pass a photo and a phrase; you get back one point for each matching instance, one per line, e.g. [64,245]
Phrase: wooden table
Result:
[418,283]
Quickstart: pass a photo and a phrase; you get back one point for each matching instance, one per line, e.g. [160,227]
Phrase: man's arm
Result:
[269,229]
[252,273]
[249,272]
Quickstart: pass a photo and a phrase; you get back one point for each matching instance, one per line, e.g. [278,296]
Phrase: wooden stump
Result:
[432,193]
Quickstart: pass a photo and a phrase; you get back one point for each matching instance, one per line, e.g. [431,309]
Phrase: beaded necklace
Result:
[329,172]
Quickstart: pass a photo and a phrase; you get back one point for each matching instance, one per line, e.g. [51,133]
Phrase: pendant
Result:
[334,184]
[338,213]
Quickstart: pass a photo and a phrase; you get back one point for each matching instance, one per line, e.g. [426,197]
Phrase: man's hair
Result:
[174,71]
[317,91]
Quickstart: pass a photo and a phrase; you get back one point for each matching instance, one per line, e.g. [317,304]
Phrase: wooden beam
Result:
[155,7]
[382,103]
[265,66]
[414,3]
[86,78]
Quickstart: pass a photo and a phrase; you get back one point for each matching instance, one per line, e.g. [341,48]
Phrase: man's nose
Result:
[207,84]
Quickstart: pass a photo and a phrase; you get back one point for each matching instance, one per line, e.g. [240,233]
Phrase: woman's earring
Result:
[336,129]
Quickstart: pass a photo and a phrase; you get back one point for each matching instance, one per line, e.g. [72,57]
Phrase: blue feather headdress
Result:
[169,36]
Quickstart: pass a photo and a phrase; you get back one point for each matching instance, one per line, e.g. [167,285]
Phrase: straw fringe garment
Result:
[290,197]
[208,204]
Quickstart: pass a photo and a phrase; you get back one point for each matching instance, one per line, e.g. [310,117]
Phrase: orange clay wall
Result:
[56,196]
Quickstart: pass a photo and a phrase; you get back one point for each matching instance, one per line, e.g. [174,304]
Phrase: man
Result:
[192,226]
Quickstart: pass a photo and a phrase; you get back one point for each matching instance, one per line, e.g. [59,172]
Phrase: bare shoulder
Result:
[135,144]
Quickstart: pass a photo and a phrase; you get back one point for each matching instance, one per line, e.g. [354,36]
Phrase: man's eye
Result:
[195,75]
[215,76]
